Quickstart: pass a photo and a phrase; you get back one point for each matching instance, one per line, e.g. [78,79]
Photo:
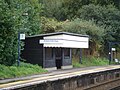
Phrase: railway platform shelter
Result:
[53,50]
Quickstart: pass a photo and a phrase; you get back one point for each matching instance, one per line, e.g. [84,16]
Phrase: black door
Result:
[58,57]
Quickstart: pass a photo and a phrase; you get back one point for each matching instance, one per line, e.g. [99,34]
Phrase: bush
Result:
[23,70]
[12,21]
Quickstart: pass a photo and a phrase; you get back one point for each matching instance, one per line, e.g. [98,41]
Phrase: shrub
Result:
[23,70]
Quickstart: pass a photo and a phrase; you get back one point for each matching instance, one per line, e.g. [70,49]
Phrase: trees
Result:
[7,34]
[77,26]
[24,16]
[67,9]
[48,25]
[90,28]
[107,17]
[53,9]
[16,16]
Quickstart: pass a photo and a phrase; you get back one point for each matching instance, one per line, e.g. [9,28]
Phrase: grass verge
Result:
[91,61]
[23,70]
[28,69]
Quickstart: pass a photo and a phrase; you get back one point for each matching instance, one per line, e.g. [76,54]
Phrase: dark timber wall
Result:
[33,51]
[49,62]
[66,61]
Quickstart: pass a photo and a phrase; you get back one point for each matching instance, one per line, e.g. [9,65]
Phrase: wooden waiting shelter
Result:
[53,51]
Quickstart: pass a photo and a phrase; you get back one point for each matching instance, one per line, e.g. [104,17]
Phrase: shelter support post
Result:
[18,61]
[81,55]
[110,53]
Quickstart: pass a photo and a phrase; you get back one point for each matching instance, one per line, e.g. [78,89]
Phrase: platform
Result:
[52,76]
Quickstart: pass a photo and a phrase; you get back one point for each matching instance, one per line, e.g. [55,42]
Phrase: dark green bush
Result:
[12,21]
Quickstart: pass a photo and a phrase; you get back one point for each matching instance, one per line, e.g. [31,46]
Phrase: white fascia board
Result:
[75,38]
[53,37]
[67,41]
[74,44]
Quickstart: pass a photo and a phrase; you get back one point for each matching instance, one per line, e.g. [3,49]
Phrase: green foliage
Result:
[108,17]
[23,70]
[72,6]
[95,32]
[105,13]
[7,35]
[91,61]
[48,25]
[53,8]
[97,18]
[79,26]
[75,26]
[67,9]
[84,27]
[16,16]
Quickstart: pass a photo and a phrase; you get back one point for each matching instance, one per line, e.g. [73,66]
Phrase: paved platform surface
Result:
[52,76]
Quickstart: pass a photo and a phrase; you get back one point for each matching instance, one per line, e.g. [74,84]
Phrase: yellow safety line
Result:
[56,76]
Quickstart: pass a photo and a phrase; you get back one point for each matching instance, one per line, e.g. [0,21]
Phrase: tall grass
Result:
[90,61]
[28,69]
[23,70]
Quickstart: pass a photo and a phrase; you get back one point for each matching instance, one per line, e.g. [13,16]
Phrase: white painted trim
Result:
[66,41]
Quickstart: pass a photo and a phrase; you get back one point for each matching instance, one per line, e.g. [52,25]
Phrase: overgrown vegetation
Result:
[16,16]
[91,61]
[23,70]
[90,17]
[100,19]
